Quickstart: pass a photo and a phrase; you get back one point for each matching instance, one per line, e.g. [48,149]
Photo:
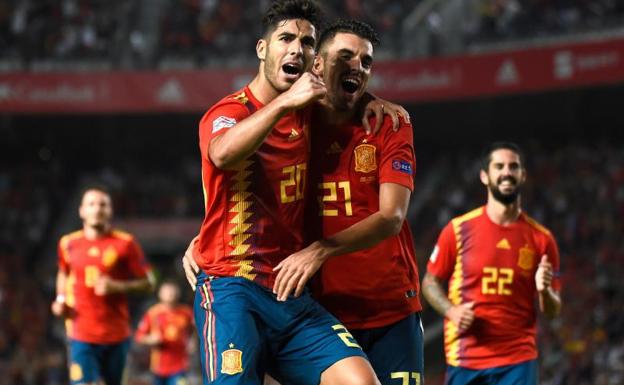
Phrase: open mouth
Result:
[350,85]
[291,68]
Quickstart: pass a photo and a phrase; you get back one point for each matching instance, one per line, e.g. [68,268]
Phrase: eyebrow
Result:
[348,51]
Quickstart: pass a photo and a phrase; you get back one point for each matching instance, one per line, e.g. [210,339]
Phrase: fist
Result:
[544,274]
[461,315]
[58,309]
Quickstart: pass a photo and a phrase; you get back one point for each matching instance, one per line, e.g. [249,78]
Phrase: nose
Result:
[295,48]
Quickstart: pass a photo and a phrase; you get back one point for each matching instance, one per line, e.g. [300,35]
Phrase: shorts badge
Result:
[365,160]
[525,258]
[75,372]
[232,361]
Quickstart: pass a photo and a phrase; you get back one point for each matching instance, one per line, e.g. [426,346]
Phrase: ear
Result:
[318,65]
[80,212]
[484,177]
[523,176]
[261,47]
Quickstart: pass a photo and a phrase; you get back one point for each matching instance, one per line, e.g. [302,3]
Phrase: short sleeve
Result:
[63,255]
[552,251]
[442,260]
[397,159]
[145,325]
[137,264]
[218,120]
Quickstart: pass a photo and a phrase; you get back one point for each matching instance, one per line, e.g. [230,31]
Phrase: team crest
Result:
[75,372]
[232,361]
[526,257]
[93,252]
[110,257]
[365,160]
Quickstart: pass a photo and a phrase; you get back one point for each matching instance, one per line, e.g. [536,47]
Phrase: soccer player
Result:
[98,266]
[496,260]
[254,149]
[368,276]
[167,328]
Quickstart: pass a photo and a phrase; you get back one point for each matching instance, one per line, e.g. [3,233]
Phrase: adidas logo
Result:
[503,244]
[334,149]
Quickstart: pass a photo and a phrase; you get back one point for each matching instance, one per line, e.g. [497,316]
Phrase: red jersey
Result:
[254,214]
[495,267]
[98,319]
[377,286]
[175,326]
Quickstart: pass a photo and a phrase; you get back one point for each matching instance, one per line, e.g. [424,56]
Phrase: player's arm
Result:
[145,334]
[106,285]
[244,138]
[548,297]
[298,268]
[59,308]
[461,315]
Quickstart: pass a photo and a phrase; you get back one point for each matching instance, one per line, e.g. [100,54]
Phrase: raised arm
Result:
[243,138]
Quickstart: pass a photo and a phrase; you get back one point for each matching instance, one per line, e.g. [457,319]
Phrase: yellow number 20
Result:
[295,176]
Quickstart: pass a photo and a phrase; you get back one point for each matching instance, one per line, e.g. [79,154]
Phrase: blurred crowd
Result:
[140,34]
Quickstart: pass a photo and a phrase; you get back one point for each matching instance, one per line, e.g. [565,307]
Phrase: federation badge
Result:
[110,256]
[526,258]
[365,160]
[93,251]
[232,361]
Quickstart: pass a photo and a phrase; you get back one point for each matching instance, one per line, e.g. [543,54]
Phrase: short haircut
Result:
[486,156]
[96,187]
[282,10]
[356,27]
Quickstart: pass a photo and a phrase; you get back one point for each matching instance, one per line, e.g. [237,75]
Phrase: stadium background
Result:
[112,91]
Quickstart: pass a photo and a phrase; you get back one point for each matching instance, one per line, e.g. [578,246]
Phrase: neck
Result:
[261,89]
[94,232]
[502,214]
[333,117]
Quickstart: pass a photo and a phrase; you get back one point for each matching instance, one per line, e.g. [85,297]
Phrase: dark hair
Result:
[281,10]
[96,187]
[486,157]
[356,27]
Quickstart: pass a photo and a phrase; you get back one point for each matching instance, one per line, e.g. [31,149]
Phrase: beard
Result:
[505,198]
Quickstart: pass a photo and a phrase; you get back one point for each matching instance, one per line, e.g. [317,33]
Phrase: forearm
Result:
[362,235]
[243,139]
[142,285]
[549,303]
[434,293]
[61,282]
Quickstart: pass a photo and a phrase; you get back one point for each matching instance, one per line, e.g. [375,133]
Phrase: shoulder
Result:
[467,217]
[122,235]
[228,109]
[536,226]
[67,238]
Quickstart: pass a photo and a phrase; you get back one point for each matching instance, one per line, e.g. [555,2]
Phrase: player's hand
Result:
[191,269]
[295,270]
[153,339]
[307,89]
[59,309]
[379,107]
[105,285]
[544,274]
[461,315]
